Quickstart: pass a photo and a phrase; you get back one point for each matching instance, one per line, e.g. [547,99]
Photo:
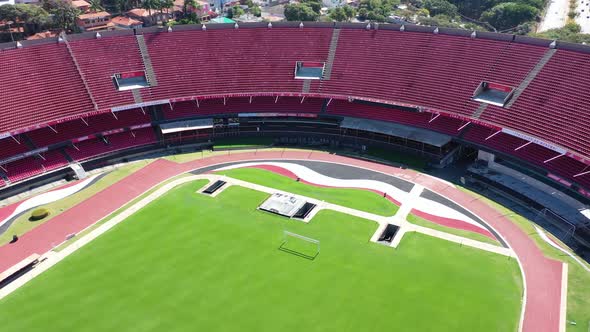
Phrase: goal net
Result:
[300,245]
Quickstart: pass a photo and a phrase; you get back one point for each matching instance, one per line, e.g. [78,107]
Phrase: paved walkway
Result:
[543,276]
[555,15]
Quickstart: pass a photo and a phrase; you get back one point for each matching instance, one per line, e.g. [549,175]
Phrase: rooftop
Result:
[93,15]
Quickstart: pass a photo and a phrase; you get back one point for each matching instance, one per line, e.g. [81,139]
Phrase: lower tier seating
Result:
[242,105]
[28,167]
[443,124]
[65,131]
[533,153]
[97,146]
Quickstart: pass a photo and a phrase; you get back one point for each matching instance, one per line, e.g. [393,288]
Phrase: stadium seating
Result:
[436,71]
[9,147]
[100,59]
[40,84]
[553,105]
[243,105]
[31,166]
[432,71]
[96,146]
[216,61]
[441,124]
[533,153]
[90,125]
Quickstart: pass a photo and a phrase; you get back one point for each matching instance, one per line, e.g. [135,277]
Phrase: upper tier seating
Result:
[242,105]
[232,61]
[96,146]
[94,124]
[436,71]
[40,83]
[443,124]
[100,59]
[555,105]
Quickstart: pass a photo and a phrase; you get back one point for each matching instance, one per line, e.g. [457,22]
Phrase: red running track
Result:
[542,275]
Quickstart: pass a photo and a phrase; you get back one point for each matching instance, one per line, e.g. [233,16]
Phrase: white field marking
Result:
[48,197]
[418,202]
[409,178]
[52,257]
[563,303]
[552,243]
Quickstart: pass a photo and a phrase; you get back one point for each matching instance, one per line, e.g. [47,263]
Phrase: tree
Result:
[149,5]
[337,14]
[95,6]
[509,15]
[300,12]
[256,11]
[440,7]
[314,4]
[30,17]
[235,11]
[438,21]
[63,13]
[190,6]
[349,11]
[377,10]
[363,13]
[570,33]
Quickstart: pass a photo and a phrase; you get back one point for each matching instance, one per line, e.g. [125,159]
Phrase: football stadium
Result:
[294,176]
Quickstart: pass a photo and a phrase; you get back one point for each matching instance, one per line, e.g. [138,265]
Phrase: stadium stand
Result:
[100,59]
[214,61]
[42,84]
[443,124]
[86,126]
[560,93]
[120,141]
[433,71]
[57,82]
[533,153]
[9,146]
[243,105]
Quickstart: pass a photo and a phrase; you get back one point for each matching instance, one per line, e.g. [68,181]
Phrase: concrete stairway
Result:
[137,96]
[147,61]
[331,54]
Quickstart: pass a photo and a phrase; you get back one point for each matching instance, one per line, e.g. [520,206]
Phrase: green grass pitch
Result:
[189,262]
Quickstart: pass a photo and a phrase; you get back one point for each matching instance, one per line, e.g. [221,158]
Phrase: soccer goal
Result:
[300,245]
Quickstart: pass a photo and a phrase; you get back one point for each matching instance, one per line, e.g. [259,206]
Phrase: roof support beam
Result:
[522,146]
[463,126]
[583,173]
[553,158]
[434,118]
[492,135]
[50,127]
